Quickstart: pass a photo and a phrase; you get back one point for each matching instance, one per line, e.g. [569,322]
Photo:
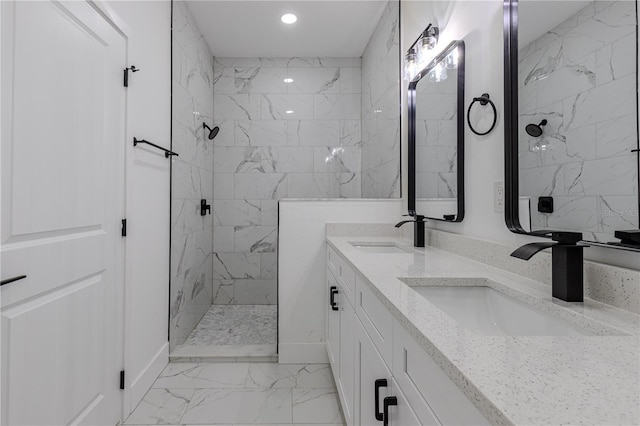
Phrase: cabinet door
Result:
[332,327]
[346,381]
[369,368]
[401,414]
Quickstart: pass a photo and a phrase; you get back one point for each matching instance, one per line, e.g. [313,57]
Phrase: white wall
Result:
[148,26]
[301,268]
[480,25]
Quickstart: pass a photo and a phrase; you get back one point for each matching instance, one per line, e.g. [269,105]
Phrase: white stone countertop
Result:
[532,380]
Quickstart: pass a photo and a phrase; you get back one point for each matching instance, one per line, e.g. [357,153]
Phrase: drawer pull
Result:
[333,291]
[379,383]
[388,401]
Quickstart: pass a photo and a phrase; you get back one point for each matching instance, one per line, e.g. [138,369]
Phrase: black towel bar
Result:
[167,153]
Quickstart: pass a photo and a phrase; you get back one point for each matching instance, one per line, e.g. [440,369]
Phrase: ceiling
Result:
[328,28]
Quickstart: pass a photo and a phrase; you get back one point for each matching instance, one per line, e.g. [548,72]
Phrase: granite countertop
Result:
[540,380]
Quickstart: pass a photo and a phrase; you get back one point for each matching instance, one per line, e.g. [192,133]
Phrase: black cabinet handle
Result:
[379,383]
[10,280]
[388,401]
[333,291]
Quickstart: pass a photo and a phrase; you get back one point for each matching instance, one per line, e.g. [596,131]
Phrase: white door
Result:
[63,129]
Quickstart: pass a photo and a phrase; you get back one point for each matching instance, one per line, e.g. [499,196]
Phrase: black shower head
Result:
[212,132]
[535,130]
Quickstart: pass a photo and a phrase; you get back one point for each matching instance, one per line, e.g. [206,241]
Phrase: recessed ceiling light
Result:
[288,80]
[289,18]
[289,112]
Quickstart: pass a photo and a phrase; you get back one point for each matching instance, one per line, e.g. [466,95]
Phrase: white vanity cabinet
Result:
[339,331]
[375,360]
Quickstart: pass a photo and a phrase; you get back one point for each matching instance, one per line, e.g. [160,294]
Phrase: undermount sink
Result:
[380,248]
[486,311]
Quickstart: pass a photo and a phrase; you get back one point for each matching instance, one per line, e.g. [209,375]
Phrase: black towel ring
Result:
[484,100]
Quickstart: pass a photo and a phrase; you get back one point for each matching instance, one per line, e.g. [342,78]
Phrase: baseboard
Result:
[139,386]
[302,353]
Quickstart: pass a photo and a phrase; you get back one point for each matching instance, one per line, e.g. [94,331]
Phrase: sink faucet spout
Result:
[418,229]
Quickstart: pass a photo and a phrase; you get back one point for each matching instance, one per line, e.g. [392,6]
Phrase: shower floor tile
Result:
[236,325]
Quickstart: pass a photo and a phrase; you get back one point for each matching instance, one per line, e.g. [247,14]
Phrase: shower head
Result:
[535,130]
[212,132]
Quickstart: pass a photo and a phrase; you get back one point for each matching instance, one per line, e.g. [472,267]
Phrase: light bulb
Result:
[451,61]
[410,65]
[289,18]
[426,49]
[438,73]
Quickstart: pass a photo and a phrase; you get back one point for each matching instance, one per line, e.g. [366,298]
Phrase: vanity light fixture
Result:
[289,18]
[410,64]
[451,61]
[426,45]
[421,52]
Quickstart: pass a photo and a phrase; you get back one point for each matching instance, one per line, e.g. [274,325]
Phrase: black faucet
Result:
[418,229]
[566,263]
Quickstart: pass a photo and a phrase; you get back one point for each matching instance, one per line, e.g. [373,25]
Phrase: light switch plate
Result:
[498,196]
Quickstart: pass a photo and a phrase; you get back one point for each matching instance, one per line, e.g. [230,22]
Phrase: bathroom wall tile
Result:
[269,212]
[222,292]
[225,135]
[313,185]
[543,181]
[236,212]
[337,62]
[268,266]
[275,107]
[332,106]
[255,239]
[609,176]
[223,186]
[617,213]
[260,80]
[236,266]
[240,106]
[382,181]
[350,133]
[349,185]
[313,132]
[287,159]
[616,137]
[223,239]
[224,80]
[262,186]
[613,60]
[255,292]
[261,133]
[337,159]
[314,80]
[350,80]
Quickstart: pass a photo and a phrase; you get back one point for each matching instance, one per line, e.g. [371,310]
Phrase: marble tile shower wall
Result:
[381,108]
[580,76]
[436,137]
[277,139]
[192,177]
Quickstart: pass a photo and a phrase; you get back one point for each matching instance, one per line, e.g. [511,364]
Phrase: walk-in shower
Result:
[254,130]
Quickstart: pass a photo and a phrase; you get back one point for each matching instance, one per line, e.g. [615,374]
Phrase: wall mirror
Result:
[571,118]
[436,137]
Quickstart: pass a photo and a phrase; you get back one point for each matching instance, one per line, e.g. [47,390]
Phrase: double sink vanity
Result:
[421,336]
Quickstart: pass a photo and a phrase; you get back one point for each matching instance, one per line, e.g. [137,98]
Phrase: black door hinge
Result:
[124,227]
[132,68]
[122,380]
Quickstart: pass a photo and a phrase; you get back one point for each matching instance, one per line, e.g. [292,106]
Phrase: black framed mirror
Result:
[436,137]
[571,119]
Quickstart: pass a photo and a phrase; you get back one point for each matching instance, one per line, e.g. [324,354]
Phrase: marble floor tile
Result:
[203,376]
[239,406]
[303,376]
[161,407]
[316,406]
[236,325]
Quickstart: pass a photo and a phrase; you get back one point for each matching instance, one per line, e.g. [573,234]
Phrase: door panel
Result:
[63,116]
